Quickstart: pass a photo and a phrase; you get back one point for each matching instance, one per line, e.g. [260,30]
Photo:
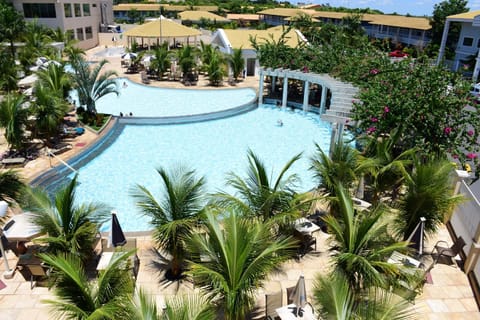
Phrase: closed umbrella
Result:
[116,238]
[416,238]
[299,297]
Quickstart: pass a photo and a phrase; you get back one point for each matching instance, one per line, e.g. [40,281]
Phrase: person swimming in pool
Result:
[280,123]
[125,84]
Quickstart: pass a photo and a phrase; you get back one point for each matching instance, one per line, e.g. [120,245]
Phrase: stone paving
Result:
[448,297]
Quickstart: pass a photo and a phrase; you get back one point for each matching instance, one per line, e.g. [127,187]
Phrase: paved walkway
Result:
[448,297]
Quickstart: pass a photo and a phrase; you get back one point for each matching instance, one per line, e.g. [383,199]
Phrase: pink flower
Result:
[373,119]
[447,130]
[472,156]
[371,130]
[470,133]
[386,109]
[374,71]
[455,156]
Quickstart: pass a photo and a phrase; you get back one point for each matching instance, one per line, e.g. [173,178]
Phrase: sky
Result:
[413,7]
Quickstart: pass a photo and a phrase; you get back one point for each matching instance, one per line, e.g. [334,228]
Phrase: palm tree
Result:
[8,71]
[161,61]
[239,254]
[11,186]
[362,245]
[237,63]
[92,84]
[56,79]
[206,53]
[189,307]
[186,60]
[69,228]
[77,297]
[13,117]
[260,194]
[429,194]
[216,69]
[341,166]
[144,307]
[12,24]
[176,214]
[335,300]
[49,110]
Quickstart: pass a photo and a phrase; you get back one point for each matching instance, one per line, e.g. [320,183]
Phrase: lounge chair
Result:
[20,161]
[272,302]
[60,148]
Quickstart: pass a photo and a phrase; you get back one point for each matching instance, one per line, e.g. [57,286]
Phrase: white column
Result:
[285,92]
[340,133]
[441,51]
[476,71]
[306,93]
[260,89]
[333,138]
[323,100]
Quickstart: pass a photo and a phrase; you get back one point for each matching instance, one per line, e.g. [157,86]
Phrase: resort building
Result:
[83,19]
[411,31]
[197,17]
[243,20]
[147,10]
[227,40]
[469,40]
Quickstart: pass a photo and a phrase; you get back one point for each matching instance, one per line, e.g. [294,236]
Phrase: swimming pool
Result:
[212,148]
[146,101]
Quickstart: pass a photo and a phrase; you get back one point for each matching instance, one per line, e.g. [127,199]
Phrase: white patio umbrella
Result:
[40,61]
[129,56]
[417,237]
[147,60]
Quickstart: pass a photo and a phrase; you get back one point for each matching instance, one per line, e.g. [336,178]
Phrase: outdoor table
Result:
[402,259]
[305,226]
[20,228]
[286,313]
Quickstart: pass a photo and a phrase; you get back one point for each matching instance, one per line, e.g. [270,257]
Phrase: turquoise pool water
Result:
[212,148]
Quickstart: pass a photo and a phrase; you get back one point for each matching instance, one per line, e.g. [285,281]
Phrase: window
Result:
[86,9]
[39,10]
[88,33]
[67,7]
[478,43]
[78,12]
[467,41]
[80,34]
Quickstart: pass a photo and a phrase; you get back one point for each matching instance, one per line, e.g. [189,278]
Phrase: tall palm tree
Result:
[237,63]
[429,194]
[260,194]
[175,214]
[8,71]
[70,228]
[335,300]
[13,117]
[342,166]
[239,254]
[161,61]
[92,84]
[49,110]
[206,53]
[11,186]
[56,79]
[216,68]
[12,24]
[187,60]
[362,245]
[189,307]
[77,297]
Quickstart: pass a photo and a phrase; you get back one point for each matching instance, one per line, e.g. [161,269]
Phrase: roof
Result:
[466,15]
[241,38]
[169,29]
[156,7]
[286,12]
[198,15]
[240,16]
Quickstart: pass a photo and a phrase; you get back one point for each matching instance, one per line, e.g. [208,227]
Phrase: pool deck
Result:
[448,297]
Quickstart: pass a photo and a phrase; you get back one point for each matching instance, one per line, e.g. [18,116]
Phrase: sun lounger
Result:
[13,161]
[60,148]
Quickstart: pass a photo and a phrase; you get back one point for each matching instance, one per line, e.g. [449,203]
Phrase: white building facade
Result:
[83,19]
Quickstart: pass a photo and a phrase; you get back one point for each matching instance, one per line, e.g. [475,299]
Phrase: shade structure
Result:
[299,297]
[129,56]
[162,28]
[416,238]
[116,238]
